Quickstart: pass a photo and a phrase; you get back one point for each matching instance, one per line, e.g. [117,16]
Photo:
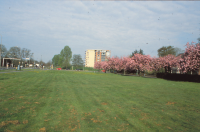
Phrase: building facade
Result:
[94,55]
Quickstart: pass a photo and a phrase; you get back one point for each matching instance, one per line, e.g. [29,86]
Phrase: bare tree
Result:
[14,52]
[3,51]
[48,63]
[26,53]
[77,60]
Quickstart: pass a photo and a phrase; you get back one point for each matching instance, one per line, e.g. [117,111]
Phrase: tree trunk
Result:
[165,69]
[169,70]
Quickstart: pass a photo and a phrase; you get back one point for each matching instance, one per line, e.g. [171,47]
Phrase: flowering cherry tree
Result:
[105,65]
[191,58]
[169,61]
[118,64]
[97,65]
[111,62]
[125,63]
[155,64]
[145,61]
[190,61]
[140,62]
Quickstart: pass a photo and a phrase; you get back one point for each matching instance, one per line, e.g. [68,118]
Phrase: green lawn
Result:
[95,102]
[13,70]
[8,70]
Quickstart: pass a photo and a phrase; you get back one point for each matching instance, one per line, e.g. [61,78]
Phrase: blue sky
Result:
[45,27]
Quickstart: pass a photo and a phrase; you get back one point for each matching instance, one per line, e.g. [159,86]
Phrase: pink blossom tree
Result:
[118,64]
[97,65]
[111,63]
[145,61]
[155,64]
[135,62]
[115,63]
[191,58]
[125,63]
[140,62]
[131,64]
[190,61]
[105,65]
[169,61]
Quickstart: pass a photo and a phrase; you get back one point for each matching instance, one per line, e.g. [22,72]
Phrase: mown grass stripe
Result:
[85,101]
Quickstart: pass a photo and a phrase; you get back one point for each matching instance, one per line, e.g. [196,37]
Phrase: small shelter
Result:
[10,62]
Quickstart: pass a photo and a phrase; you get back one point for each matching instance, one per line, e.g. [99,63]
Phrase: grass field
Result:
[13,70]
[8,70]
[50,100]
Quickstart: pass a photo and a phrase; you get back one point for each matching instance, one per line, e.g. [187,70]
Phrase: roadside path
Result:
[10,71]
[20,71]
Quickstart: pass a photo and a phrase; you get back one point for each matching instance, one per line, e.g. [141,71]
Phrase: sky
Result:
[47,26]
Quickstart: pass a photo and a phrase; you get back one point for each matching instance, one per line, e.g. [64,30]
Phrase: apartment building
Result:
[94,55]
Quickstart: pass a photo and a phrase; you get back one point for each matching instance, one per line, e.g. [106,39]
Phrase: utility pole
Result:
[83,64]
[19,66]
[41,62]
[34,61]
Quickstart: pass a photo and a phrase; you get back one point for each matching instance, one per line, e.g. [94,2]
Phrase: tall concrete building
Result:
[94,55]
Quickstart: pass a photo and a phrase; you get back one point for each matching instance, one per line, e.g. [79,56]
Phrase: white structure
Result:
[94,55]
[37,65]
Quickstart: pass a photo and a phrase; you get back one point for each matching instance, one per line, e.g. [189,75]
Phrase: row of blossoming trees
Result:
[189,61]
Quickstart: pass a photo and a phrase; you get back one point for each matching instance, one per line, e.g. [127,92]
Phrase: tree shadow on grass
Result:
[3,78]
[182,80]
